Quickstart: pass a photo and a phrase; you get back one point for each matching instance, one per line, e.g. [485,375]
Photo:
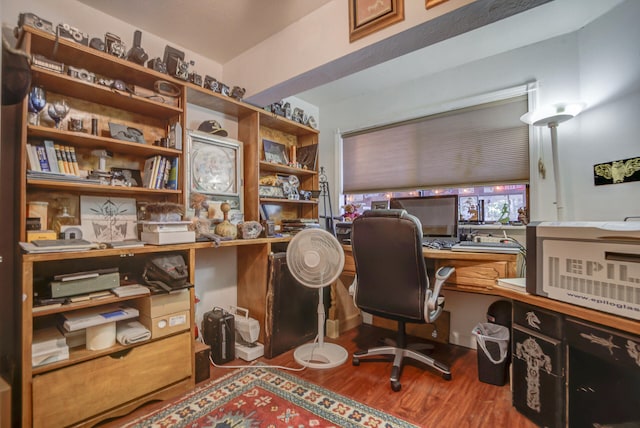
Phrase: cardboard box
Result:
[167,324]
[157,305]
[202,352]
[33,235]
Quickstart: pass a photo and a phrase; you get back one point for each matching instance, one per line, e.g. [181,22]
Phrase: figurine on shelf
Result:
[522,216]
[225,228]
[504,214]
[350,212]
[198,202]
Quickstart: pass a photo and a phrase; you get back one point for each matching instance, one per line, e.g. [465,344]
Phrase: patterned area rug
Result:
[266,398]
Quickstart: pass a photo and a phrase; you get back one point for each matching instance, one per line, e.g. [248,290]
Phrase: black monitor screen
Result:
[438,214]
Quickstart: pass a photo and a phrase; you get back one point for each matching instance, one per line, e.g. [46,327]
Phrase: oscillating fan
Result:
[315,259]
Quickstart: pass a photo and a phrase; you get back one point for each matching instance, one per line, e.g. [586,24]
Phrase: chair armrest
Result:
[433,302]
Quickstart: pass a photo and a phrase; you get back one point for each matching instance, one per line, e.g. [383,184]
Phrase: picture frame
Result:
[380,205]
[306,156]
[126,177]
[368,16]
[428,4]
[214,169]
[108,219]
[275,152]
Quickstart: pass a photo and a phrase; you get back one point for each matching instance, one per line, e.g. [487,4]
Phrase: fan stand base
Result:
[316,356]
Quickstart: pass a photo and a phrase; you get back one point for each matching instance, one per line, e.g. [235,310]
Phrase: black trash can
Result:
[493,353]
[499,312]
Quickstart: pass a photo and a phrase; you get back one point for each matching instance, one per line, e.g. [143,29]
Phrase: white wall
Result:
[215,280]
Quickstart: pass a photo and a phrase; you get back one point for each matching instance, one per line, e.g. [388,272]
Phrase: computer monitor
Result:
[437,214]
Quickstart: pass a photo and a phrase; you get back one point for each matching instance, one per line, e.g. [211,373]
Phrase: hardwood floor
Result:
[426,399]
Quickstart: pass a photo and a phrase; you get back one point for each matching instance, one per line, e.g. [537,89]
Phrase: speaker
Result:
[218,331]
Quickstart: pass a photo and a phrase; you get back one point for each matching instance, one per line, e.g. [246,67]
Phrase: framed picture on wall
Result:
[368,16]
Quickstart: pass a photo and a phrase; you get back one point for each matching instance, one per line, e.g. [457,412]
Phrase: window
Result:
[477,205]
[479,152]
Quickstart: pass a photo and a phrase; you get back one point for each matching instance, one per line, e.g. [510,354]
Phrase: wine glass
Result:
[37,101]
[58,110]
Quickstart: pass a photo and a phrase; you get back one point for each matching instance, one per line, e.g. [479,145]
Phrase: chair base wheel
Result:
[395,385]
[355,361]
[446,376]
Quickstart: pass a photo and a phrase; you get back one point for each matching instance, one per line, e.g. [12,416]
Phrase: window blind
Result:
[479,145]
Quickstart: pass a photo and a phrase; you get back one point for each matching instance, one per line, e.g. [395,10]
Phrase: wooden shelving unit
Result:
[41,388]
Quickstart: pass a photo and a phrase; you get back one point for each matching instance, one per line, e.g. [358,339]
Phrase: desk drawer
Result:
[477,273]
[77,392]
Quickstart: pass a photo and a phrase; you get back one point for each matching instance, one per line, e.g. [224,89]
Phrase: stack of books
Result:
[160,172]
[167,232]
[51,157]
[52,161]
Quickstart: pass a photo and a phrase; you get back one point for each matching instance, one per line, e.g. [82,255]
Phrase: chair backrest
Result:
[391,271]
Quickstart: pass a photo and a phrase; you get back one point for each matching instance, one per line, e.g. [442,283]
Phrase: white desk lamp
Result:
[551,116]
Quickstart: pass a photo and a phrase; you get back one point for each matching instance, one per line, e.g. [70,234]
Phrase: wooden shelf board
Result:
[104,95]
[93,60]
[104,188]
[275,167]
[84,139]
[213,101]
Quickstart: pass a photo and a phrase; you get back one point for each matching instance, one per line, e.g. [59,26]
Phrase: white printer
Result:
[590,264]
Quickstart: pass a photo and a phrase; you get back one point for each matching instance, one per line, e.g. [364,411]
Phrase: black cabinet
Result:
[538,365]
[603,386]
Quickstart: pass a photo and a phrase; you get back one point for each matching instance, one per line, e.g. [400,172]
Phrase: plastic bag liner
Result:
[498,334]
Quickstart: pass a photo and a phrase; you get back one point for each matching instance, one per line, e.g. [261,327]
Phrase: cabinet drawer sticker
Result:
[531,352]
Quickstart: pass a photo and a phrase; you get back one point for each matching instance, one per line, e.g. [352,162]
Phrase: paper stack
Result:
[167,232]
[49,345]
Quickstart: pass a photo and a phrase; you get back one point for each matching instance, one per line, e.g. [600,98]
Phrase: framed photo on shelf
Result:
[379,205]
[275,152]
[368,16]
[307,155]
[126,177]
[214,166]
[108,219]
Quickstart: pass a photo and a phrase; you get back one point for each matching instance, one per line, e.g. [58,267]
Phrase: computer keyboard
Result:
[437,244]
[487,247]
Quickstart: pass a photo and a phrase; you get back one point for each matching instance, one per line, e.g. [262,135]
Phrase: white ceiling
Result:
[233,26]
[217,29]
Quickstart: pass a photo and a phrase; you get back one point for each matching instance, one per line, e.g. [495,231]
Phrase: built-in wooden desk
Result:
[478,273]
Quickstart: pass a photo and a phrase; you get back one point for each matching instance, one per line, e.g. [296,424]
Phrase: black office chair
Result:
[392,282]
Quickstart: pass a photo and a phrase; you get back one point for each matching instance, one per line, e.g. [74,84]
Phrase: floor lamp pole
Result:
[553,127]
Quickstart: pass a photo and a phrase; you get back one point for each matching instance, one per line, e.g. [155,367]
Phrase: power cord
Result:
[255,366]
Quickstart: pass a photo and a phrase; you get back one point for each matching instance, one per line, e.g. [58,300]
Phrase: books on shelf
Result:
[49,148]
[157,172]
[52,158]
[165,238]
